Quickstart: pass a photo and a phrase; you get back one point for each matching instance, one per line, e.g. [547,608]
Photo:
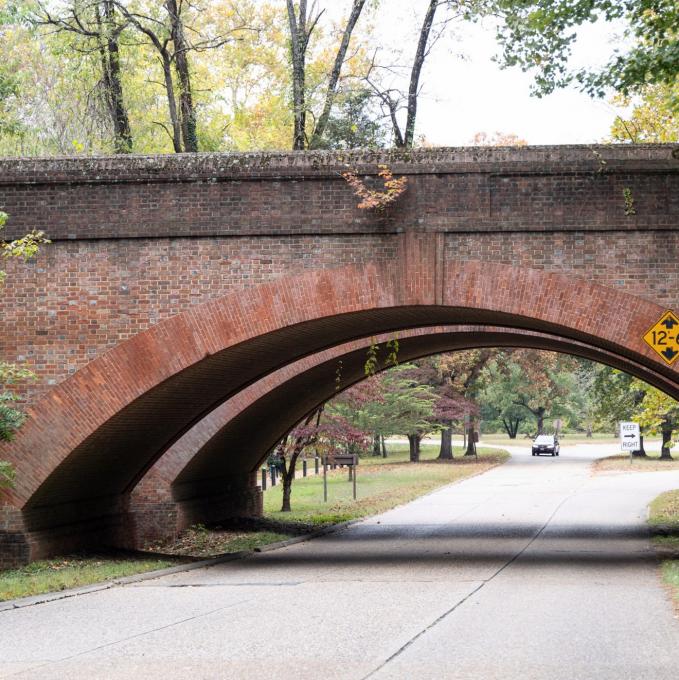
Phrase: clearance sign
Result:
[663,337]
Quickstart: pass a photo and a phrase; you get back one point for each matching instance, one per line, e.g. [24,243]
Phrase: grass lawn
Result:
[620,463]
[664,511]
[69,572]
[382,484]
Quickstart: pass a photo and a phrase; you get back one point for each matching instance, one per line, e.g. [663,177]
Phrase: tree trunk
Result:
[376,446]
[384,446]
[511,426]
[181,63]
[172,104]
[414,442]
[298,45]
[109,54]
[666,430]
[413,89]
[540,415]
[641,451]
[471,444]
[331,92]
[446,450]
[286,478]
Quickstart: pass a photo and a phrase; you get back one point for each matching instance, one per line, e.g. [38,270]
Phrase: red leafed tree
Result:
[327,432]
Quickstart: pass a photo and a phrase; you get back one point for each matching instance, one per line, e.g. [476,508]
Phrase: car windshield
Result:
[544,439]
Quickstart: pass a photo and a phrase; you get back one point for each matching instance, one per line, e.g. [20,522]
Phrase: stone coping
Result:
[216,167]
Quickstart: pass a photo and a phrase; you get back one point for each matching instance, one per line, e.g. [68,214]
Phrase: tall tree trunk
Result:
[172,104]
[446,450]
[331,91]
[666,430]
[471,444]
[414,87]
[384,446]
[376,445]
[286,479]
[298,45]
[109,54]
[414,442]
[540,415]
[181,63]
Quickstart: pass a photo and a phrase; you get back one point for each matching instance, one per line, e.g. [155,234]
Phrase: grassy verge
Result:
[69,572]
[382,485]
[664,517]
[620,463]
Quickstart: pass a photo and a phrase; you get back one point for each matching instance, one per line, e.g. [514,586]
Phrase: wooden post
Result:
[354,475]
[304,468]
[325,480]
[263,479]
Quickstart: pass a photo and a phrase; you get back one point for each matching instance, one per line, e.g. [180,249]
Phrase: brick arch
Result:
[91,437]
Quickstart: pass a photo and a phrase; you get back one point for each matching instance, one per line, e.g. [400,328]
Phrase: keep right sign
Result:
[630,437]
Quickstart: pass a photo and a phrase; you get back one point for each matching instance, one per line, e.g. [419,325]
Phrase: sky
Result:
[461,97]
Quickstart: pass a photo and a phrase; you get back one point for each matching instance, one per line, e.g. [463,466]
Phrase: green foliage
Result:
[531,382]
[653,118]
[616,396]
[539,35]
[629,201]
[11,419]
[656,409]
[354,124]
[393,402]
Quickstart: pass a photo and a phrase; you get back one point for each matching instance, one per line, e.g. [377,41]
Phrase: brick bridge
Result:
[192,307]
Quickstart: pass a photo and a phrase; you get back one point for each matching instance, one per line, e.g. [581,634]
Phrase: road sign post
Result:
[630,438]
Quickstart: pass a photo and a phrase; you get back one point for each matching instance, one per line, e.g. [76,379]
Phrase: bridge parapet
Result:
[557,188]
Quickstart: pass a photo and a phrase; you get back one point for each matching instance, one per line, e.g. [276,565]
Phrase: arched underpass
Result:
[132,404]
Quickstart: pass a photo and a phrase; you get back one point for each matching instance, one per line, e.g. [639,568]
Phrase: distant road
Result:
[535,570]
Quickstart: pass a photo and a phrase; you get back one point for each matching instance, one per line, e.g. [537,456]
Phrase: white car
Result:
[546,443]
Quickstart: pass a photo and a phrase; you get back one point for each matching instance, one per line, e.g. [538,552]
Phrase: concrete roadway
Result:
[536,569]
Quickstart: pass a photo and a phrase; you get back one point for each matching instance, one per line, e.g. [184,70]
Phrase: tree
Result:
[98,25]
[352,124]
[326,431]
[540,383]
[10,418]
[538,35]
[498,396]
[302,21]
[453,377]
[658,412]
[652,119]
[166,32]
[391,402]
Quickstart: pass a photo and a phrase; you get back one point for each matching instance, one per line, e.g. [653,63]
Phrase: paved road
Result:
[535,570]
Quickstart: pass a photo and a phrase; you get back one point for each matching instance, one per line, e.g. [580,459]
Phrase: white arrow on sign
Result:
[630,437]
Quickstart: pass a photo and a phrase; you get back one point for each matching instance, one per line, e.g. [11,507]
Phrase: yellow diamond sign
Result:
[663,337]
